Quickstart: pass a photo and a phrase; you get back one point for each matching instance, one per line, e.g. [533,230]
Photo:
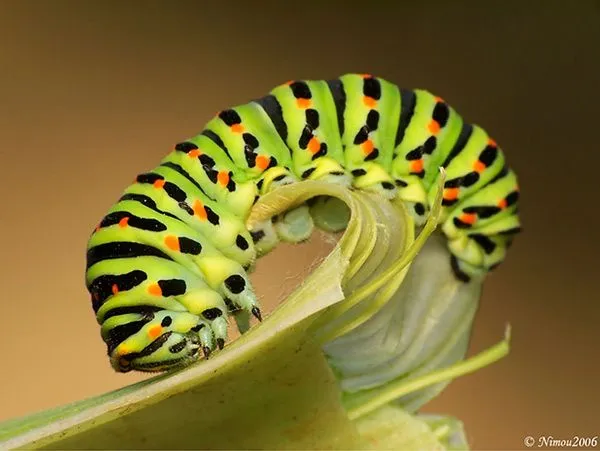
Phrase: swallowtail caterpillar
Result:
[169,261]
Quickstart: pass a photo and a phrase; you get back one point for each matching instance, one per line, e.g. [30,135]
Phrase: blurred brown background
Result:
[93,93]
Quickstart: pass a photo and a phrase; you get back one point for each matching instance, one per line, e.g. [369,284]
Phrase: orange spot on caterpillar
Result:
[124,222]
[194,153]
[98,227]
[434,127]
[223,178]
[479,166]
[468,218]
[172,242]
[492,143]
[502,204]
[262,162]
[115,289]
[303,103]
[314,145]
[122,350]
[451,193]
[439,99]
[366,75]
[155,290]
[155,331]
[367,147]
[369,101]
[416,165]
[199,210]
[159,183]
[237,128]
[289,82]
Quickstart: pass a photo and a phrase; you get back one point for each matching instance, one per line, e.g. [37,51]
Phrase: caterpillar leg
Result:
[293,226]
[231,281]
[297,225]
[264,237]
[329,214]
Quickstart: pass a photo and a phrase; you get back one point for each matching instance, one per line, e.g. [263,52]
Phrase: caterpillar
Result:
[169,262]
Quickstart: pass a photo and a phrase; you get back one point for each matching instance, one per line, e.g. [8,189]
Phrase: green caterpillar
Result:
[169,262]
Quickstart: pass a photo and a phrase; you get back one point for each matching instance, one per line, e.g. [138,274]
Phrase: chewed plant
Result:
[427,206]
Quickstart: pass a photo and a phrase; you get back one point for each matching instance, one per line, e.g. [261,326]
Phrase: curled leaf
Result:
[274,387]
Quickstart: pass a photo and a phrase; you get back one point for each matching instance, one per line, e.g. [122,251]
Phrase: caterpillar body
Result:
[169,262]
